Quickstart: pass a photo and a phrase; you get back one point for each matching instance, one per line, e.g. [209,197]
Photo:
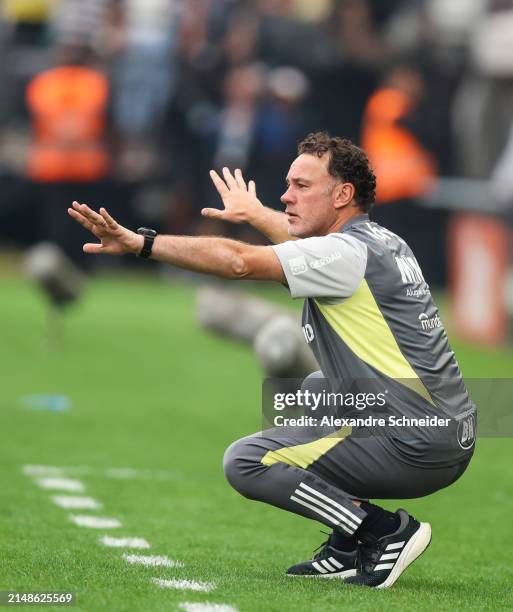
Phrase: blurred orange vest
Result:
[68,108]
[403,168]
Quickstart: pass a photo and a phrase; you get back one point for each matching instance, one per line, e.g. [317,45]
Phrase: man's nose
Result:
[286,198]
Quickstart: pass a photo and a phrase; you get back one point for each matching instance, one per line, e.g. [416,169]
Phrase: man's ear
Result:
[344,194]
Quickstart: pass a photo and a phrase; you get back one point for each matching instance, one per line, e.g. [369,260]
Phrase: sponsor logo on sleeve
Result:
[325,261]
[429,323]
[298,265]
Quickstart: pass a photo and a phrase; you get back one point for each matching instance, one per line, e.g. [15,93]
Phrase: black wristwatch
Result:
[149,237]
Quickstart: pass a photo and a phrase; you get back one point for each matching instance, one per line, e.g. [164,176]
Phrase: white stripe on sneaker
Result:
[335,563]
[389,556]
[333,503]
[383,566]
[318,567]
[329,567]
[413,548]
[395,545]
[336,514]
[321,513]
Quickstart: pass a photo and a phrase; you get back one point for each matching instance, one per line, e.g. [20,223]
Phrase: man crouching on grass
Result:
[370,316]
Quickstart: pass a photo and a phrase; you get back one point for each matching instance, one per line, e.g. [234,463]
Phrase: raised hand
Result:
[115,239]
[240,201]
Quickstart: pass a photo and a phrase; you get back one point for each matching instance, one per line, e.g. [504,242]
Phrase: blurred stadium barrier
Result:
[274,332]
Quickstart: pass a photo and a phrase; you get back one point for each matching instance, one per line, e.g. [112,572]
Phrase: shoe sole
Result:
[418,543]
[340,575]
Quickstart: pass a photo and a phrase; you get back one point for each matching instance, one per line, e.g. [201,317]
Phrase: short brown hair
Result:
[347,162]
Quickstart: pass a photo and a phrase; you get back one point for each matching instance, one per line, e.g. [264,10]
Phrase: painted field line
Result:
[94,522]
[76,502]
[124,542]
[119,473]
[158,561]
[184,585]
[42,470]
[205,607]
[62,484]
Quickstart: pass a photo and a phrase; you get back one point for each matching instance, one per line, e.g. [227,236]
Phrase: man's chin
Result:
[296,232]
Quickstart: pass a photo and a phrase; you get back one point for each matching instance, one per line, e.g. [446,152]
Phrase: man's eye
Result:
[301,186]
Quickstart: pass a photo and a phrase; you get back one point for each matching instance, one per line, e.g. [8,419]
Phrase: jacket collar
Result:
[354,221]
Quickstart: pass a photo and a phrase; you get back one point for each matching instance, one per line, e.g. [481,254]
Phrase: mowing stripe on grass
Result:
[159,561]
[187,606]
[76,502]
[62,484]
[42,470]
[184,585]
[94,522]
[124,542]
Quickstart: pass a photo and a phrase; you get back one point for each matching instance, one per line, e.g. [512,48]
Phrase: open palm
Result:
[115,239]
[240,200]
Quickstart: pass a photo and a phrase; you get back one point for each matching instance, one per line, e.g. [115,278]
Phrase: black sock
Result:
[378,522]
[342,542]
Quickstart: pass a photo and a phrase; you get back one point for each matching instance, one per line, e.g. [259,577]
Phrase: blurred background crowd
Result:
[129,103]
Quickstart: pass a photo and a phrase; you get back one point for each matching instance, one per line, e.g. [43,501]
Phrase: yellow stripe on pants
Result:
[303,455]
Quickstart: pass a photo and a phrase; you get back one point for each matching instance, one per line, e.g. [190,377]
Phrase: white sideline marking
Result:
[205,607]
[42,470]
[184,585]
[94,522]
[64,484]
[120,473]
[75,502]
[161,561]
[124,542]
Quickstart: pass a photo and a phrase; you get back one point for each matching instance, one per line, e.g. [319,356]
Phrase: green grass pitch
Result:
[152,392]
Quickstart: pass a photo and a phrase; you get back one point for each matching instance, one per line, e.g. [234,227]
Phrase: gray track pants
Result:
[319,479]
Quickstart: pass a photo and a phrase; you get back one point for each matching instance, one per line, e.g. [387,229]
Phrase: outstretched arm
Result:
[241,205]
[211,255]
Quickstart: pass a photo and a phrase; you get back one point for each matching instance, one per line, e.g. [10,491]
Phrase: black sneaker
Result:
[381,562]
[327,563]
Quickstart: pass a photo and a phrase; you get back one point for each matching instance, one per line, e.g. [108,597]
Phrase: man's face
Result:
[310,197]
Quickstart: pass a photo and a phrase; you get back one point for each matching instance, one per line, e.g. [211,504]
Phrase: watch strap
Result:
[149,238]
